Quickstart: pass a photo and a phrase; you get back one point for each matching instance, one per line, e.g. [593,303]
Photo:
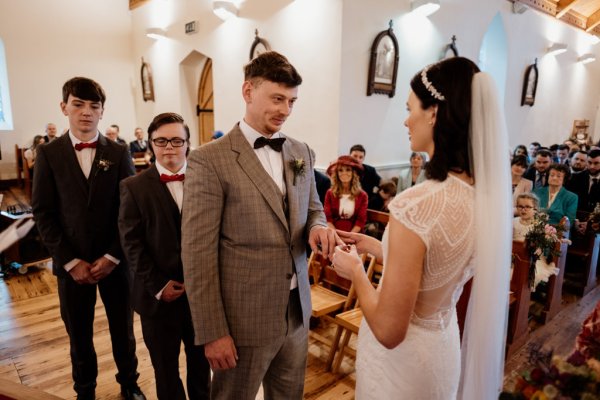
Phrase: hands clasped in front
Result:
[85,273]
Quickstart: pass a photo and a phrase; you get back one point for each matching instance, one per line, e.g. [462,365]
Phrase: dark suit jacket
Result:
[150,228]
[369,180]
[530,174]
[77,217]
[580,185]
[135,147]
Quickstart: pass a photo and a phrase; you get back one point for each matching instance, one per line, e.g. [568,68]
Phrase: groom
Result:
[250,203]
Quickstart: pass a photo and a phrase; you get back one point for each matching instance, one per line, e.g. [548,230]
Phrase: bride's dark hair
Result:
[450,78]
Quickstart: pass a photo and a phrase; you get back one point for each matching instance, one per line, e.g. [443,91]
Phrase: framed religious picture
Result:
[259,46]
[383,67]
[147,84]
[530,85]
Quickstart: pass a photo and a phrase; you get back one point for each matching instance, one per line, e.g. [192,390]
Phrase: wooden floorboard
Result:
[34,347]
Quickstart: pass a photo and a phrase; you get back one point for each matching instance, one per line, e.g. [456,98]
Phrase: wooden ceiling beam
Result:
[593,21]
[564,6]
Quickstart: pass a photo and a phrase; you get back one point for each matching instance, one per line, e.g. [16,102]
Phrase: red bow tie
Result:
[172,178]
[82,145]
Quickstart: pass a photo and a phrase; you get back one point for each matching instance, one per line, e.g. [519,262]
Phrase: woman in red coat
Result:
[346,203]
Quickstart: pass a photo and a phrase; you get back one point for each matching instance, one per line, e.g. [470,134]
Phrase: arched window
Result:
[6,121]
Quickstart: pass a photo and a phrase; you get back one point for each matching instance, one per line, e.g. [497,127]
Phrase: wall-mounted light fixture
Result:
[424,7]
[557,48]
[587,58]
[225,9]
[155,33]
[518,7]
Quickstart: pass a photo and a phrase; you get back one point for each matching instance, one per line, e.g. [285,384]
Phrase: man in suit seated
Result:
[370,179]
[140,145]
[578,162]
[76,205]
[112,132]
[562,154]
[50,132]
[538,172]
[150,227]
[586,185]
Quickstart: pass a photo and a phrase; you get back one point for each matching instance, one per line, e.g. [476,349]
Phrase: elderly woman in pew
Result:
[346,203]
[555,200]
[413,175]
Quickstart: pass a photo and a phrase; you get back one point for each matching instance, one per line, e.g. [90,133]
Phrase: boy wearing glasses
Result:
[149,223]
[527,206]
[75,205]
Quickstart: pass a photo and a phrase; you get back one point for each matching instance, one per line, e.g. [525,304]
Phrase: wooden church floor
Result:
[34,347]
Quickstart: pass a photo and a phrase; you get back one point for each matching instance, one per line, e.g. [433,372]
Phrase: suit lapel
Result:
[102,153]
[252,167]
[163,194]
[289,158]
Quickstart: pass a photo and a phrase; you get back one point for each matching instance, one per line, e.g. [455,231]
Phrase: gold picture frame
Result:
[383,67]
[147,82]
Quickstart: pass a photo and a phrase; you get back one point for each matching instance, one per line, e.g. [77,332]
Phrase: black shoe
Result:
[86,396]
[132,393]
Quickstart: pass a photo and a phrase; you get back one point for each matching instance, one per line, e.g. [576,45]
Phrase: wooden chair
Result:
[518,312]
[326,301]
[582,260]
[348,323]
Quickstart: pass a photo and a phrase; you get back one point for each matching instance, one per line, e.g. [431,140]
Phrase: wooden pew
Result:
[552,301]
[376,223]
[582,260]
[518,313]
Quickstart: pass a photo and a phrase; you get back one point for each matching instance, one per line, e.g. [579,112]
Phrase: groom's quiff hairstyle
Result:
[452,78]
[274,67]
[83,88]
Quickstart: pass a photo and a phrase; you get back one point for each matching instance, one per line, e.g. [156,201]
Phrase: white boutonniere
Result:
[104,164]
[299,167]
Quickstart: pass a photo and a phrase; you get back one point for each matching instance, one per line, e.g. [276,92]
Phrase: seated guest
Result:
[413,175]
[586,185]
[387,191]
[31,153]
[562,154]
[520,150]
[149,200]
[578,161]
[323,184]
[140,145]
[518,165]
[555,200]
[370,179]
[538,172]
[346,203]
[50,132]
[527,206]
[112,132]
[532,151]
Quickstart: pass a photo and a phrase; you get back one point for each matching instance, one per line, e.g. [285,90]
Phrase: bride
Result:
[442,232]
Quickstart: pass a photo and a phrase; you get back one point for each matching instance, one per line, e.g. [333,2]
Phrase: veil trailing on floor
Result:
[484,337]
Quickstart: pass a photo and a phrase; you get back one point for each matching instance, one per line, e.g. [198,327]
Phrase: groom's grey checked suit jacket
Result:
[239,247]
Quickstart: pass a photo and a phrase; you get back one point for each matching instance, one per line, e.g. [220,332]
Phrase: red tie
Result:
[172,178]
[82,145]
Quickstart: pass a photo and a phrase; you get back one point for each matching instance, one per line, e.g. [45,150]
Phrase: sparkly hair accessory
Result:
[429,86]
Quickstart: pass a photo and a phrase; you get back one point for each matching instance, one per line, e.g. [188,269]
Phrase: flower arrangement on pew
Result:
[559,378]
[593,221]
[541,242]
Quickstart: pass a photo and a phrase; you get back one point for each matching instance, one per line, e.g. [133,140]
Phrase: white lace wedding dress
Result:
[426,365]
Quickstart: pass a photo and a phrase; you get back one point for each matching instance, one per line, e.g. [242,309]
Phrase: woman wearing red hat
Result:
[346,203]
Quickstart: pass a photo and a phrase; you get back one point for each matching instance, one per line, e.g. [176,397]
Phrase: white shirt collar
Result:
[163,170]
[75,141]
[252,134]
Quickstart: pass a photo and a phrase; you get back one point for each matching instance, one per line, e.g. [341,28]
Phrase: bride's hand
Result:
[363,243]
[346,262]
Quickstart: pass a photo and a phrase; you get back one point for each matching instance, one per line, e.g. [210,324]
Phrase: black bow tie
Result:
[276,144]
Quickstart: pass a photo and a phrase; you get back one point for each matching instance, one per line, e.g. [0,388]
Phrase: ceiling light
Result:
[225,9]
[587,58]
[424,7]
[557,48]
[155,33]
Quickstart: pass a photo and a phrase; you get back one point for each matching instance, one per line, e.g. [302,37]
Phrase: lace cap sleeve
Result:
[416,208]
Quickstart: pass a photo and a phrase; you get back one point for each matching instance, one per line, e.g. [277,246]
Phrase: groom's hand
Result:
[323,240]
[221,353]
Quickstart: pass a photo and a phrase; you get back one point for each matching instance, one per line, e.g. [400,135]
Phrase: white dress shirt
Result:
[176,187]
[85,157]
[272,162]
